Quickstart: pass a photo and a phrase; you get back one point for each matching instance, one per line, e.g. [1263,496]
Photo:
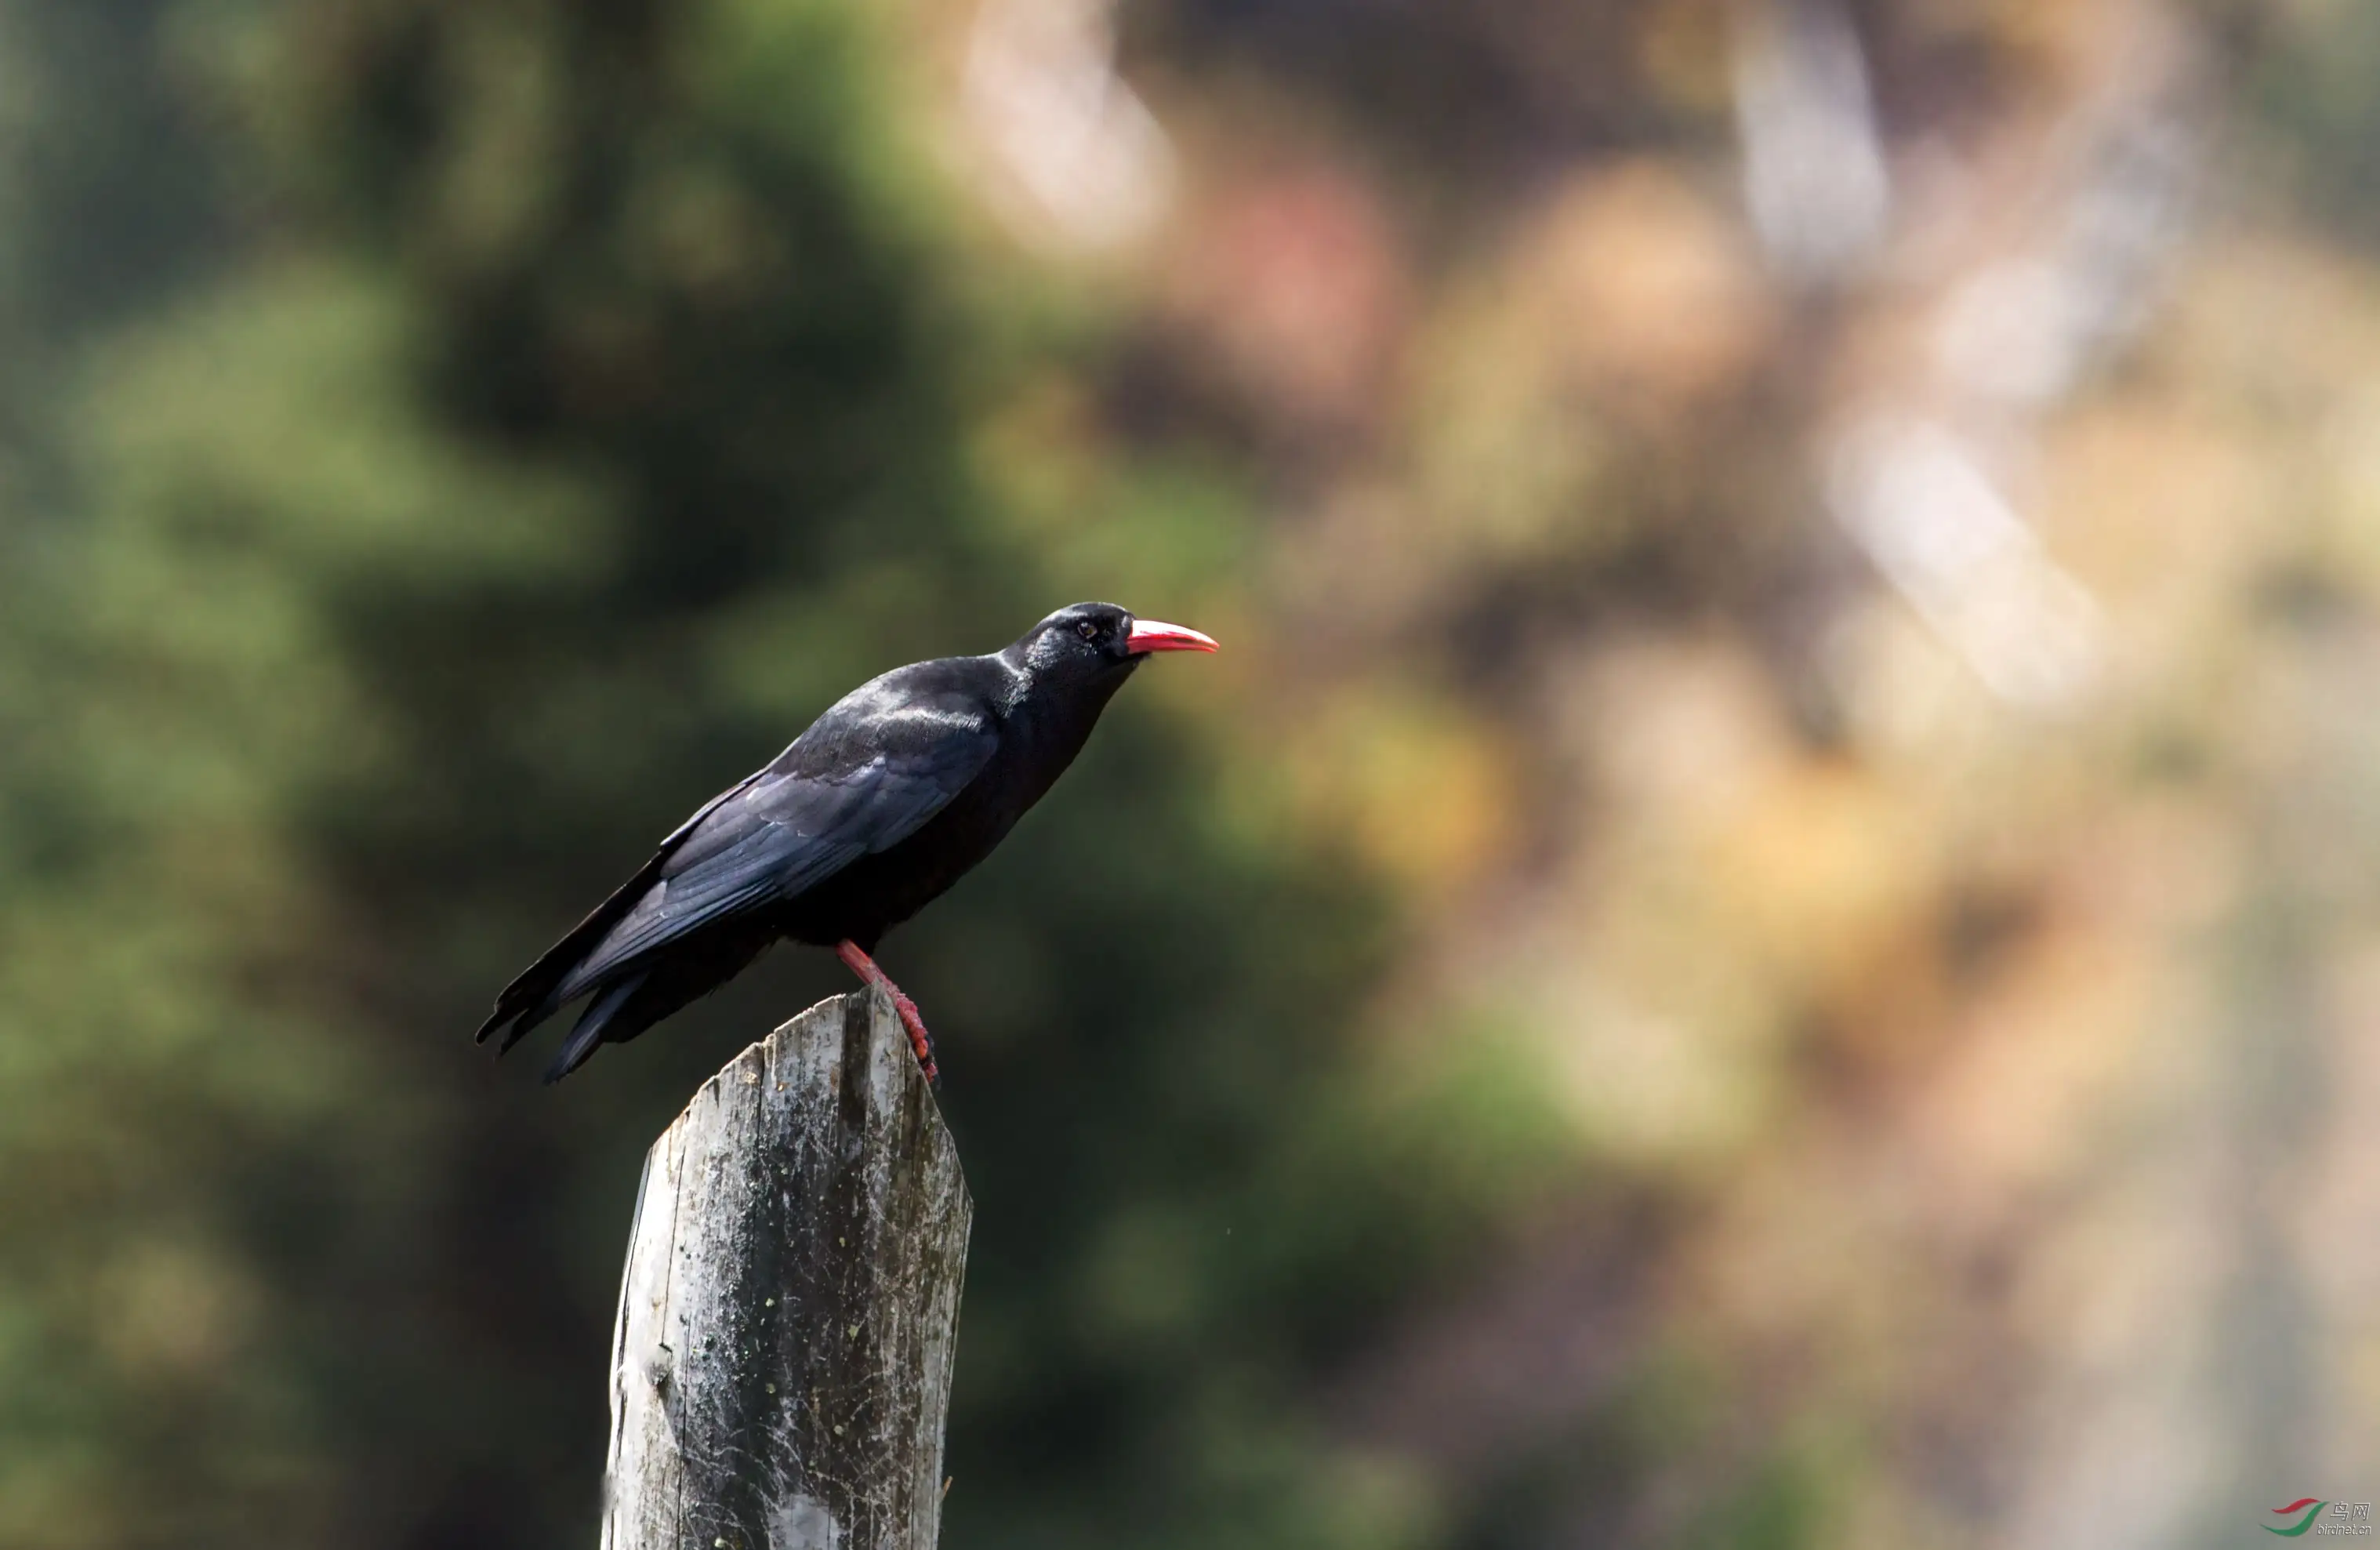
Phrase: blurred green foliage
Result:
[451,442]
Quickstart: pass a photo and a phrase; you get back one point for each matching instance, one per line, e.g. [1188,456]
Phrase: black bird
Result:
[891,797]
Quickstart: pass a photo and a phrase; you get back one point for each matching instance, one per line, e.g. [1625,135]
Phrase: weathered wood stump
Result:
[781,1368]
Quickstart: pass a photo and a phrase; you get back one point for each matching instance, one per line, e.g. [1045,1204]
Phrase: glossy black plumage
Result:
[887,799]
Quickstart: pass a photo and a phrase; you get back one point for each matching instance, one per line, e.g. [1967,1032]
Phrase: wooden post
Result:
[781,1368]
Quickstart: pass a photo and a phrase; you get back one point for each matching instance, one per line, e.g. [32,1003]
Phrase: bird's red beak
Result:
[1148,635]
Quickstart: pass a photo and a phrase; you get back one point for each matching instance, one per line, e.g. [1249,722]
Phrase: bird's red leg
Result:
[865,967]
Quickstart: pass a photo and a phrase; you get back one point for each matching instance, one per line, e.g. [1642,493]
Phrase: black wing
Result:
[865,777]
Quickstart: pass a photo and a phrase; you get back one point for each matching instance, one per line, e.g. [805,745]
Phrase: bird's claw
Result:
[919,1040]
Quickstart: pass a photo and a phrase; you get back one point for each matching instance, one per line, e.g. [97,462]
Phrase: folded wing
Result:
[778,833]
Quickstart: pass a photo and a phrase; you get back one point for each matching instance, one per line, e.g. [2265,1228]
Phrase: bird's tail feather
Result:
[591,1025]
[527,1002]
[534,994]
[524,1020]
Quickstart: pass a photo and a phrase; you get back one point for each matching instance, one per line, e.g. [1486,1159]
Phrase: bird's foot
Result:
[855,958]
[919,1040]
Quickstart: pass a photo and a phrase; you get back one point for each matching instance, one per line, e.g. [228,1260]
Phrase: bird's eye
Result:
[1087,630]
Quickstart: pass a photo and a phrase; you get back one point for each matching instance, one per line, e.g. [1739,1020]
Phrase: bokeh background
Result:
[1766,934]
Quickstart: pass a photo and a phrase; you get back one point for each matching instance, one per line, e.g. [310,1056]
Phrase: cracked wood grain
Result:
[781,1366]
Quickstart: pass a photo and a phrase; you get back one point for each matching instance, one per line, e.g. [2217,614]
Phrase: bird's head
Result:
[1089,642]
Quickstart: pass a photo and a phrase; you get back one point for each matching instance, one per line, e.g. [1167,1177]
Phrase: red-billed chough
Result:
[887,799]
